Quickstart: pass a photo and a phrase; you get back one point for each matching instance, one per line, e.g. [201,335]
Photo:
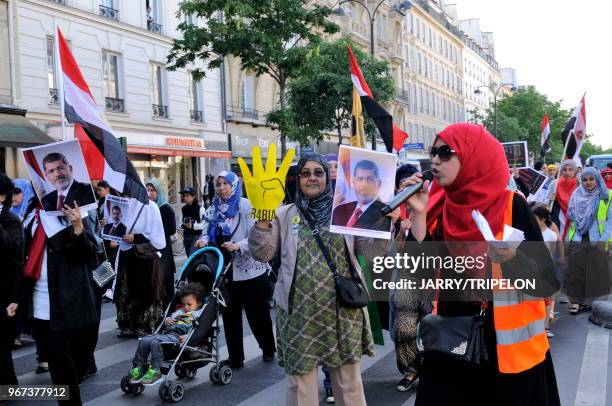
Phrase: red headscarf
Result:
[609,181]
[480,184]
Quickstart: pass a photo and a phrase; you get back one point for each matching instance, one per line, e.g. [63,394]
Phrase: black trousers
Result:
[7,338]
[251,295]
[68,358]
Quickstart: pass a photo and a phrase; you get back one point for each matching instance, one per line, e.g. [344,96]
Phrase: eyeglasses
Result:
[444,152]
[16,191]
[589,179]
[319,173]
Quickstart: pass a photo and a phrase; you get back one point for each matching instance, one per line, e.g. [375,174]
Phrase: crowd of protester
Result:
[47,290]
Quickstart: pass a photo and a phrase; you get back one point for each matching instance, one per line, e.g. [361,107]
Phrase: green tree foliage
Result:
[268,37]
[519,117]
[320,95]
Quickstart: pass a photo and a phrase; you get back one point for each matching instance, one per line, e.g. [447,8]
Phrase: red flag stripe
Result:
[94,160]
[69,65]
[357,76]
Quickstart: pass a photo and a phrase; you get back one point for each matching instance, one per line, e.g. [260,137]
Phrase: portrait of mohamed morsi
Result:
[60,176]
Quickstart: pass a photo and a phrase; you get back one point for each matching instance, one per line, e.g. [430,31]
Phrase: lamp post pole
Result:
[494,91]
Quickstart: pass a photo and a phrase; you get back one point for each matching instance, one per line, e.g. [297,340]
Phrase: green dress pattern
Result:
[316,331]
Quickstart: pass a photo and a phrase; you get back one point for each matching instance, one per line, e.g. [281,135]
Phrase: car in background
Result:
[599,161]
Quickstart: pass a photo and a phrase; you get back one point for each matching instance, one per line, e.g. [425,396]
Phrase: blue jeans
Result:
[152,345]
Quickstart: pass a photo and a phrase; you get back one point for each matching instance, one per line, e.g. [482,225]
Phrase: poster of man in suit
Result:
[116,216]
[60,176]
[364,185]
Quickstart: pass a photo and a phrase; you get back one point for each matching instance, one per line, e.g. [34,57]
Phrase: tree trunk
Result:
[339,126]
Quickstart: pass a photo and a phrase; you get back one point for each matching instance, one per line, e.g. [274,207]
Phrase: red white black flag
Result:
[574,133]
[391,135]
[105,157]
[544,136]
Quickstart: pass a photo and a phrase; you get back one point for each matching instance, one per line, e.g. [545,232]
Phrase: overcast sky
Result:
[561,47]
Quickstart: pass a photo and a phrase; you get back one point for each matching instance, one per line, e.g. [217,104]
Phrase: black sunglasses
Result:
[444,152]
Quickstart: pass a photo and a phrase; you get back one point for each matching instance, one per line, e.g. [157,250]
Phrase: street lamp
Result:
[339,11]
[495,91]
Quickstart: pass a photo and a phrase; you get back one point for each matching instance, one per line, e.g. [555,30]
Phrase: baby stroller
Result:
[201,345]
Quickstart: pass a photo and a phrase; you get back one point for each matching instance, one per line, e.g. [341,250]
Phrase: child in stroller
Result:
[174,331]
[200,345]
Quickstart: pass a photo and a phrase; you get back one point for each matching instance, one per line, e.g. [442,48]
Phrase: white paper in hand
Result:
[511,239]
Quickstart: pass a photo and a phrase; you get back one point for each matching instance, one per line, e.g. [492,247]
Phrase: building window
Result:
[247,96]
[51,79]
[108,9]
[154,16]
[158,94]
[111,81]
[196,105]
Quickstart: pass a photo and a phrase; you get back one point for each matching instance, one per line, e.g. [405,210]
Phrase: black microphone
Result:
[406,193]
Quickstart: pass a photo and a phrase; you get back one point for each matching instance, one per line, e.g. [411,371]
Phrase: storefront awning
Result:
[189,152]
[17,131]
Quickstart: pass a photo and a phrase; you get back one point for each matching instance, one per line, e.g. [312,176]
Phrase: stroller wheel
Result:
[225,375]
[180,371]
[137,389]
[164,391]
[214,375]
[177,391]
[125,384]
[191,372]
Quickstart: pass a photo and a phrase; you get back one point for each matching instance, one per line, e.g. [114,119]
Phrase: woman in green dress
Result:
[312,329]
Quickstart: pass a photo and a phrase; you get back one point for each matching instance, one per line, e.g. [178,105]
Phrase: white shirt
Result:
[40,298]
[64,193]
[549,235]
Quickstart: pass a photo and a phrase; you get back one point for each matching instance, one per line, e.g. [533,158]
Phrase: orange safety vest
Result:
[519,321]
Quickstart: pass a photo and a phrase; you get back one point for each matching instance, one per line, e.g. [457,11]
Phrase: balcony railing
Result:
[53,96]
[244,114]
[109,12]
[402,95]
[160,111]
[114,105]
[196,115]
[153,27]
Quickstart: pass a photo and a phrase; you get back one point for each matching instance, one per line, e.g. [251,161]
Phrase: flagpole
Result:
[59,75]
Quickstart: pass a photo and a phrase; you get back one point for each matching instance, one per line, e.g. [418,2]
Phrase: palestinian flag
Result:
[391,135]
[574,132]
[544,136]
[105,157]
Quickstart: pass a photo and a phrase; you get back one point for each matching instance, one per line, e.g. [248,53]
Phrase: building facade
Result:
[172,124]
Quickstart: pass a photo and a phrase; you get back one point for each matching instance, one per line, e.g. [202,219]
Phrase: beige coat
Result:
[264,244]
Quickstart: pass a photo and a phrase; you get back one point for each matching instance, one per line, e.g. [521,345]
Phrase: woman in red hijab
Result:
[471,173]
[560,191]
[606,174]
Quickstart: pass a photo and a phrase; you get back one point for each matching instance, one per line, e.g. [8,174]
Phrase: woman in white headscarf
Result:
[591,226]
[139,290]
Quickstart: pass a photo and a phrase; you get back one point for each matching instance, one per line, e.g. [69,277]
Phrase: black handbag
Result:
[350,291]
[460,338]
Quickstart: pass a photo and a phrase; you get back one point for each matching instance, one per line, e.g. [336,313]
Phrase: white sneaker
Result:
[549,333]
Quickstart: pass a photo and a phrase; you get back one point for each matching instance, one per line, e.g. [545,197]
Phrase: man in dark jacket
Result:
[11,252]
[192,219]
[72,313]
